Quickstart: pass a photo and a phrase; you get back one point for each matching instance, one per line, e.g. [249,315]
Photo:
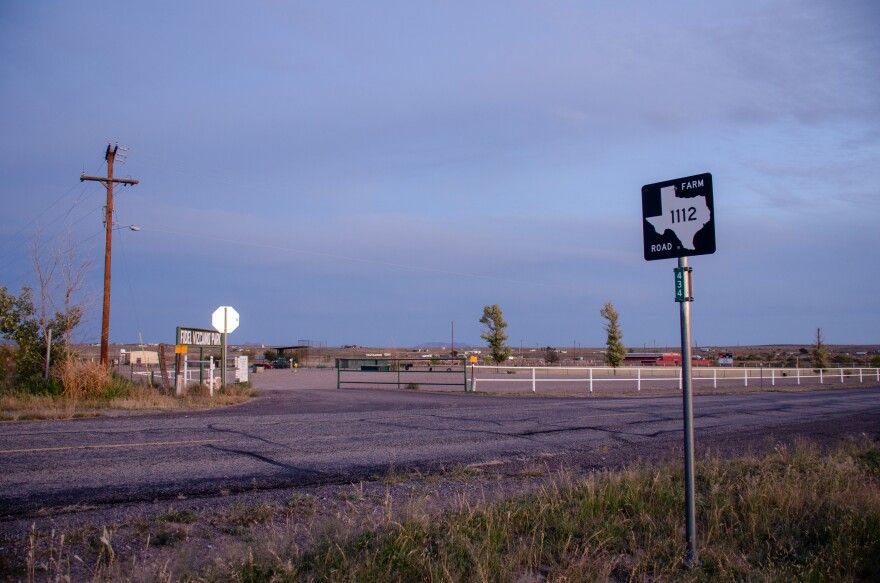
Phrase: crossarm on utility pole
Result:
[104,180]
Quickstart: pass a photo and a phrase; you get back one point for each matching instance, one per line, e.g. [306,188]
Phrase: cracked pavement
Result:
[304,432]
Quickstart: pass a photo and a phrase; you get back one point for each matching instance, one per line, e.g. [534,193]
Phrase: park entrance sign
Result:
[678,218]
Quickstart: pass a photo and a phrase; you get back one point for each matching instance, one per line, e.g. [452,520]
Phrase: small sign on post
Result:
[225,320]
[678,220]
[683,284]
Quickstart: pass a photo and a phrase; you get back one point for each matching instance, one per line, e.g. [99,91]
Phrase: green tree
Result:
[551,356]
[271,355]
[18,323]
[494,335]
[820,353]
[615,353]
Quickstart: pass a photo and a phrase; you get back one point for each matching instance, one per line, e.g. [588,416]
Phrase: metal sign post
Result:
[678,220]
[225,320]
[688,405]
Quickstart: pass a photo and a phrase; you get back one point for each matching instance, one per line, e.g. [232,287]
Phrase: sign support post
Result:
[223,361]
[225,320]
[688,405]
[678,220]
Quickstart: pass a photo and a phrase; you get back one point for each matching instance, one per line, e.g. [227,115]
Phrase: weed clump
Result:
[83,379]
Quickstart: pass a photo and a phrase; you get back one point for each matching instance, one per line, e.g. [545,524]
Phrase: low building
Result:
[138,357]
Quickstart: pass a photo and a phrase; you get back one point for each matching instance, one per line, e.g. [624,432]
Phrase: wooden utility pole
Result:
[108,183]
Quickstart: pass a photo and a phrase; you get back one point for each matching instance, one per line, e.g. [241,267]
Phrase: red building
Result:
[663,359]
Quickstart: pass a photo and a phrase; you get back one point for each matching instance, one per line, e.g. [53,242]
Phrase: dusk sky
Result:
[369,172]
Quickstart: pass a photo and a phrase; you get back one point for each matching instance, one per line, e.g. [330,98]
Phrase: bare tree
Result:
[60,278]
[45,271]
[73,275]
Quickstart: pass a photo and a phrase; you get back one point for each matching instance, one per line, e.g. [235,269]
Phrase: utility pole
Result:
[453,339]
[108,183]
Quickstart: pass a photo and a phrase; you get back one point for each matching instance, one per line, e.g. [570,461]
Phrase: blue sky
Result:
[367,173]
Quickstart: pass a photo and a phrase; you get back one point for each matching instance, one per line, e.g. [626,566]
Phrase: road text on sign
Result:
[678,217]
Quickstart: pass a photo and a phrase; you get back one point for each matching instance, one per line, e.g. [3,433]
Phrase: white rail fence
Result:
[639,376]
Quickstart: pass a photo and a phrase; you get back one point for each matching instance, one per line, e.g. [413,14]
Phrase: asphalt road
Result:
[296,435]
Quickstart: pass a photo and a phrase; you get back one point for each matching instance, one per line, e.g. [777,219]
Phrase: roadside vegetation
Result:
[85,389]
[796,514]
[65,386]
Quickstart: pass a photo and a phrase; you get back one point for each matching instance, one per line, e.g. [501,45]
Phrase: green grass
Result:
[178,516]
[796,515]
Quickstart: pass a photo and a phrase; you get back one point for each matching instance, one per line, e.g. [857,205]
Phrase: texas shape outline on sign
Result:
[684,221]
[678,217]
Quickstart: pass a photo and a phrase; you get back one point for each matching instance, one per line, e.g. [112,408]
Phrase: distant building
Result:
[138,357]
[663,359]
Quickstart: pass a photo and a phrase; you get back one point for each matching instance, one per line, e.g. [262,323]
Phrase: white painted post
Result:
[772,377]
[746,375]
[533,379]
[860,376]
[211,385]
[639,376]
[591,380]
[820,376]
[714,378]
[680,378]
[185,370]
[841,375]
[799,375]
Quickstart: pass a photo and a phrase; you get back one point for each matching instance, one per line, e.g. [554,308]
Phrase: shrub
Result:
[37,385]
[83,379]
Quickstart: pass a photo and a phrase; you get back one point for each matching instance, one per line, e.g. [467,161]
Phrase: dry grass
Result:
[83,379]
[89,390]
[791,516]
[796,514]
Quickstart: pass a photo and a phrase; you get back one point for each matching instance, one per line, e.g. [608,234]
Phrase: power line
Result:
[44,211]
